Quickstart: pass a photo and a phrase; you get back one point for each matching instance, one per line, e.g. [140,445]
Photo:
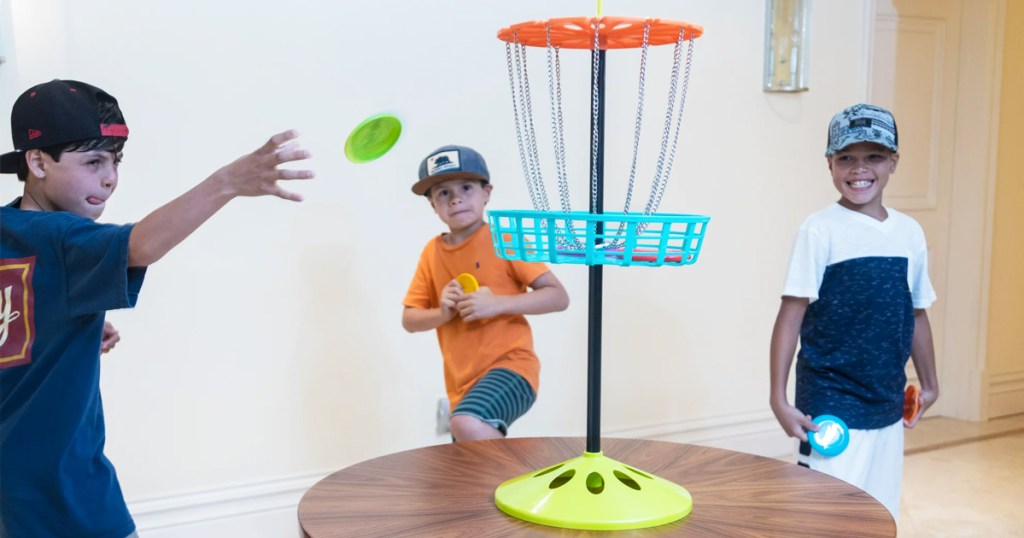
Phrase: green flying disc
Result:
[372,138]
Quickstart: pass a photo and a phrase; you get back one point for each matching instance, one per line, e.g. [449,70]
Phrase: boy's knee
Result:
[470,428]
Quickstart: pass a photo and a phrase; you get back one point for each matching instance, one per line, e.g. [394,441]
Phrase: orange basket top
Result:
[613,32]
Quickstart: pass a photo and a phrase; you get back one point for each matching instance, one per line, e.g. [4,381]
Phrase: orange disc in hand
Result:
[911,403]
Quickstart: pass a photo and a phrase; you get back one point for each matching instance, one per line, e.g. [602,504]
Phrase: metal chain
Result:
[594,130]
[667,129]
[636,131]
[639,115]
[524,129]
[531,136]
[515,117]
[679,121]
[558,135]
[661,179]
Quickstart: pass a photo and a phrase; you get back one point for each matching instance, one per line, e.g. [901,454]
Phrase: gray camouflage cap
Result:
[862,123]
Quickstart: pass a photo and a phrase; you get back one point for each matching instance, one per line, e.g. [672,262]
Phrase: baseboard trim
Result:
[755,433]
[1006,394]
[219,503]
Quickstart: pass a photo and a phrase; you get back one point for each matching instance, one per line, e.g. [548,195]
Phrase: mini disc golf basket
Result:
[592,491]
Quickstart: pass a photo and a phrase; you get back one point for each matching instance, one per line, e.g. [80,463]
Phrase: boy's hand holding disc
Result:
[911,405]
[832,436]
[468,283]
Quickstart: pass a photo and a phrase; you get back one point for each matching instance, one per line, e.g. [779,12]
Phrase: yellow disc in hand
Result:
[468,282]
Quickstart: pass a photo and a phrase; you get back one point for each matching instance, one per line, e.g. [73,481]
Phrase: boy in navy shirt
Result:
[855,296]
[60,272]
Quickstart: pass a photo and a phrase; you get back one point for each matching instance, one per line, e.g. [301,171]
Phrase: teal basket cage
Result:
[597,238]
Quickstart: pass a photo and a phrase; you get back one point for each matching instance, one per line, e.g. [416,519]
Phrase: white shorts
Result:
[873,461]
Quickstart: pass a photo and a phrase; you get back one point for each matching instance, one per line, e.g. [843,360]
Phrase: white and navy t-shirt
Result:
[864,278]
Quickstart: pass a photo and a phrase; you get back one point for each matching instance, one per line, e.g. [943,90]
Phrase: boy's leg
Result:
[470,428]
[873,462]
[491,406]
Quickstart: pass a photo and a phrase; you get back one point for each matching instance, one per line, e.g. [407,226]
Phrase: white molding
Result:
[1006,393]
[189,513]
[753,432]
[984,411]
[976,145]
[223,502]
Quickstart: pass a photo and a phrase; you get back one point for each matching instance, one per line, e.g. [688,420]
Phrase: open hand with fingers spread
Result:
[254,174]
[257,173]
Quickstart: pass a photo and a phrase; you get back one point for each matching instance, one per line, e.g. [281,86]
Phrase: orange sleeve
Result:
[421,292]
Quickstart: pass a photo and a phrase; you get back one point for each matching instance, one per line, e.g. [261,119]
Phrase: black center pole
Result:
[596,273]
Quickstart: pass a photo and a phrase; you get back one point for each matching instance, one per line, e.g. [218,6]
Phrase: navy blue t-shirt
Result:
[863,279]
[59,274]
[855,341]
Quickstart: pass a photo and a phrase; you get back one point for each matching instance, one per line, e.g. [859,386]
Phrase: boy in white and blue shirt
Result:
[855,297]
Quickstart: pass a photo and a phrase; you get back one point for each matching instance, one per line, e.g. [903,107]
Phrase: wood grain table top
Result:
[448,490]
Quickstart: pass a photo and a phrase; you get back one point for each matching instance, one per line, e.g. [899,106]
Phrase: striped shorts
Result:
[499,398]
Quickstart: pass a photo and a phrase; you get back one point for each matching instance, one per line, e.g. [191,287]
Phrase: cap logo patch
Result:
[34,133]
[860,122]
[443,161]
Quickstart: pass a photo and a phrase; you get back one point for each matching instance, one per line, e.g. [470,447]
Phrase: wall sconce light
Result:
[786,45]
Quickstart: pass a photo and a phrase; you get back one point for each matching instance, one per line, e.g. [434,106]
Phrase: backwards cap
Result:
[862,123]
[57,112]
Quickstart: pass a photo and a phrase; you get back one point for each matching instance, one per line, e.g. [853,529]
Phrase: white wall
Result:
[266,351]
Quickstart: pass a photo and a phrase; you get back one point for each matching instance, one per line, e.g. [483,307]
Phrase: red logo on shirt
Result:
[17,323]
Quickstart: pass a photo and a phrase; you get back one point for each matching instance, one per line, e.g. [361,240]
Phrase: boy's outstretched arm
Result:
[255,174]
[783,347]
[922,352]
[548,295]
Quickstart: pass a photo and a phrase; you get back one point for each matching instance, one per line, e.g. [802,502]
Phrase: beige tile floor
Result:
[963,478]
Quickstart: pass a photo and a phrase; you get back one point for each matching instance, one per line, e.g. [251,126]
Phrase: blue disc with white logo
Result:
[832,436]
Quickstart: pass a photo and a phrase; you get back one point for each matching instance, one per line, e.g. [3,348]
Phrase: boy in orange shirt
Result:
[491,371]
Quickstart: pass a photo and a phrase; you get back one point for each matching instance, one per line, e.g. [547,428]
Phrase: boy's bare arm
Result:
[785,335]
[255,174]
[548,295]
[425,319]
[416,320]
[922,352]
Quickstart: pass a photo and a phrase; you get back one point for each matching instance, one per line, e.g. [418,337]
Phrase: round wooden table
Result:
[448,490]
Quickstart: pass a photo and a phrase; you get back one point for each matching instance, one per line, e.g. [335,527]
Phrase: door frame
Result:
[963,377]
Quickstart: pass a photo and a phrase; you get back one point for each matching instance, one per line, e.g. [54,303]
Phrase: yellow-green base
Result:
[593,492]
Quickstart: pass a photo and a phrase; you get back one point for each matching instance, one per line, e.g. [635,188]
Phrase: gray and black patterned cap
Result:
[862,123]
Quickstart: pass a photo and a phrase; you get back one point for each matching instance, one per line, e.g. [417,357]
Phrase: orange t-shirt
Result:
[471,349]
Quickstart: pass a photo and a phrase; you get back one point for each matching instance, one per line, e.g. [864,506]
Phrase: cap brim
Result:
[9,162]
[422,186]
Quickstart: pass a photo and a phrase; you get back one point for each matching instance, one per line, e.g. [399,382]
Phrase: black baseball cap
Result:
[57,112]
